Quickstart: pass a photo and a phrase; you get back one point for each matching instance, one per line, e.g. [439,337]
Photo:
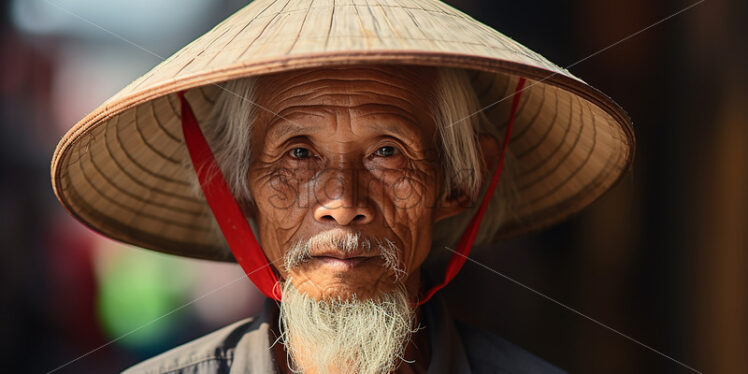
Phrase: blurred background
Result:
[660,258]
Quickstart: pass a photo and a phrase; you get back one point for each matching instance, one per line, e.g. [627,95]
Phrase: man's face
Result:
[349,150]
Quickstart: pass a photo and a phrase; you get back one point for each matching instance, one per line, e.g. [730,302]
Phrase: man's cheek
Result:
[278,203]
[411,193]
[280,192]
[406,193]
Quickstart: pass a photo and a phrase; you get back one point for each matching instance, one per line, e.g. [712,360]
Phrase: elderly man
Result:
[341,167]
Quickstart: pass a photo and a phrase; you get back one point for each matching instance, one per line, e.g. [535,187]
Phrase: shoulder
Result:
[488,353]
[212,353]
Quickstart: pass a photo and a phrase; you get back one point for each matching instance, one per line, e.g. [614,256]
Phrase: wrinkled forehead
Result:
[408,89]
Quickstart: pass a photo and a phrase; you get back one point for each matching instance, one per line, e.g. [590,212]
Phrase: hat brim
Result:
[122,169]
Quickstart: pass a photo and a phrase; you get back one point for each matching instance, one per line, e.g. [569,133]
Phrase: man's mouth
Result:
[340,261]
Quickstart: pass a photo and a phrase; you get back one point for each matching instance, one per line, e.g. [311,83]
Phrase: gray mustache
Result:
[347,242]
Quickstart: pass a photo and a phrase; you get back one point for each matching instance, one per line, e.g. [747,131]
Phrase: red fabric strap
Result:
[231,221]
[239,235]
[468,236]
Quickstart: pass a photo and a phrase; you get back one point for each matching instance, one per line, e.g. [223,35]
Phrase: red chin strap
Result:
[231,221]
[462,251]
[241,239]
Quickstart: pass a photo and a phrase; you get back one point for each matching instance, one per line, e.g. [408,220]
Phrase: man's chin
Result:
[342,292]
[342,286]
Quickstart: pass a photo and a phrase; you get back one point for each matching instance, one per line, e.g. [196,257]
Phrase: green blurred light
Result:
[137,291]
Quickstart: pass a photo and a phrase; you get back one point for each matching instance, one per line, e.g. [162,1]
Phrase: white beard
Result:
[345,336]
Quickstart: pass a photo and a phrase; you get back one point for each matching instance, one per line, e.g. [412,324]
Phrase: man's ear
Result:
[452,204]
[491,151]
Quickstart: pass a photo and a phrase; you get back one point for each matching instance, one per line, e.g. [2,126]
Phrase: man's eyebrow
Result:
[281,127]
[405,128]
[286,129]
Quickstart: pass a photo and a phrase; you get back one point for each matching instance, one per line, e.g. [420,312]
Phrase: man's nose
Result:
[340,198]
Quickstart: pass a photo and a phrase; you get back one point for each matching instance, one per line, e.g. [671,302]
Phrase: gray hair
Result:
[455,109]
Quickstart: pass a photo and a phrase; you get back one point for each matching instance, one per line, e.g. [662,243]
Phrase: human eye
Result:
[385,151]
[300,153]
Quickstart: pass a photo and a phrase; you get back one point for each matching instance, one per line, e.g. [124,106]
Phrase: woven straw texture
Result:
[122,171]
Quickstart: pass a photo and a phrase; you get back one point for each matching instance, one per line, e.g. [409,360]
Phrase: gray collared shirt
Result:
[244,347]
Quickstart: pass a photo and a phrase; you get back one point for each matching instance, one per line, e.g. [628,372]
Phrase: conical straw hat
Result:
[122,170]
